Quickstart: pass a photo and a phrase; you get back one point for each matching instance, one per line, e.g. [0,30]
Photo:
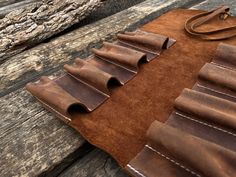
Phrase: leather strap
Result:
[219,34]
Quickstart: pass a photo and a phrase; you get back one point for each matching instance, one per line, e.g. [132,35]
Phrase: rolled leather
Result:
[121,55]
[207,107]
[225,55]
[51,94]
[91,75]
[146,41]
[206,158]
[222,77]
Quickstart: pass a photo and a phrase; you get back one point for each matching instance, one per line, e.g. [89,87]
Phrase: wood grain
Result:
[95,164]
[28,26]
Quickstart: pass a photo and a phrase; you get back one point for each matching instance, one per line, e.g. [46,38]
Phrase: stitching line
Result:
[213,90]
[173,161]
[66,118]
[143,49]
[222,66]
[206,124]
[136,171]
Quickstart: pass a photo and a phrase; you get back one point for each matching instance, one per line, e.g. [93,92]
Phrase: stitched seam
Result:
[92,87]
[222,66]
[134,46]
[173,161]
[213,90]
[136,171]
[66,118]
[116,64]
[206,124]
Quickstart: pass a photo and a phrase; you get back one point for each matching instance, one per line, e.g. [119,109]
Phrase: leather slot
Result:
[215,78]
[146,41]
[54,97]
[204,130]
[120,55]
[207,107]
[219,76]
[208,158]
[87,94]
[123,74]
[225,56]
[91,75]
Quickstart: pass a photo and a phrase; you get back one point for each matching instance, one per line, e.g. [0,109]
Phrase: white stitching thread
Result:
[145,50]
[206,124]
[213,90]
[136,171]
[222,66]
[66,118]
[173,161]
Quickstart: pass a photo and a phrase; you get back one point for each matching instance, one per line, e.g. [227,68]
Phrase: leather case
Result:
[119,124]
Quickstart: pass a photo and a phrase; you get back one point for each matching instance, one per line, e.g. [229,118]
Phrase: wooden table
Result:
[32,141]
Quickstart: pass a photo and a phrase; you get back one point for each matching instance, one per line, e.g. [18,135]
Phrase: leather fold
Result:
[120,55]
[208,158]
[218,76]
[91,75]
[146,41]
[169,152]
[53,96]
[225,56]
[88,83]
[207,107]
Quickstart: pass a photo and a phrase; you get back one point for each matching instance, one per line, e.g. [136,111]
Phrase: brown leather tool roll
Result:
[119,125]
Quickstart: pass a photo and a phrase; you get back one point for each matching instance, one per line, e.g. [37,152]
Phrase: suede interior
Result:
[119,125]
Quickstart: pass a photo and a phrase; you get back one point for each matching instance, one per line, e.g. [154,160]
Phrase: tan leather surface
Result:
[119,125]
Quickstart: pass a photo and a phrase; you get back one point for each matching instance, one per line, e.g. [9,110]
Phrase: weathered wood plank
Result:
[8,6]
[95,164]
[48,57]
[8,2]
[32,141]
[25,27]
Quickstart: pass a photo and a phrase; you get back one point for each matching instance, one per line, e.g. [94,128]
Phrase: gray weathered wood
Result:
[48,57]
[8,2]
[95,164]
[8,6]
[32,141]
[25,27]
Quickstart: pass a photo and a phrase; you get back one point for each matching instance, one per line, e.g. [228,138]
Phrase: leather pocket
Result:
[207,107]
[126,57]
[145,42]
[51,95]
